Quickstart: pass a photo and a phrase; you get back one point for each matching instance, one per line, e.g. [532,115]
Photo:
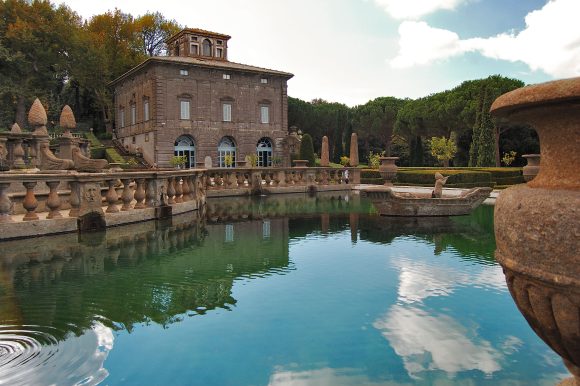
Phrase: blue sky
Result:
[351,51]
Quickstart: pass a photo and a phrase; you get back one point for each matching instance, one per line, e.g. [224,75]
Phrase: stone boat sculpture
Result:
[391,203]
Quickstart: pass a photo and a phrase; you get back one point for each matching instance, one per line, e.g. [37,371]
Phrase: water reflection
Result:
[323,291]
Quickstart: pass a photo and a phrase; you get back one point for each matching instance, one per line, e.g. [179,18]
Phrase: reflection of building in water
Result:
[126,272]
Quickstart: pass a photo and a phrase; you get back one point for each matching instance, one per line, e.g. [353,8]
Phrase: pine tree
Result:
[307,149]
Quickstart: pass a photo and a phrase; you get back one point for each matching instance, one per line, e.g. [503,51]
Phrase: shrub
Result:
[344,160]
[443,149]
[375,159]
[307,149]
[508,158]
[178,160]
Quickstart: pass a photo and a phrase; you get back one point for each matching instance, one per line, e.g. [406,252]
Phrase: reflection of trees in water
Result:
[470,236]
[134,274]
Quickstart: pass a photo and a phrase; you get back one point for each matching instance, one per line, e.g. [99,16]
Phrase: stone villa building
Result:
[195,102]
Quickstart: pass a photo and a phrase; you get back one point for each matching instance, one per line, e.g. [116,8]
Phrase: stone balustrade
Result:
[240,181]
[96,198]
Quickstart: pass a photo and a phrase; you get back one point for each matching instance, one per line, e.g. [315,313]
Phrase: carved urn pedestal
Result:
[532,168]
[388,169]
[537,226]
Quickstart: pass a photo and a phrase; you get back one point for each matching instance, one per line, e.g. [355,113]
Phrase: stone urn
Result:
[388,169]
[537,225]
[532,168]
[300,163]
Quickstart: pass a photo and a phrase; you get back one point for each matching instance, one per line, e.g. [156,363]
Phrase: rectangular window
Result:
[146,109]
[184,110]
[265,114]
[122,117]
[220,42]
[194,49]
[226,76]
[264,80]
[133,113]
[218,53]
[227,112]
[183,72]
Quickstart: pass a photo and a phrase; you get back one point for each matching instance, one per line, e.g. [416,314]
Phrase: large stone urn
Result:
[532,168]
[537,225]
[388,169]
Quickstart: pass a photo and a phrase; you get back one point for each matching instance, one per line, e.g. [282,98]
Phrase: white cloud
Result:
[414,9]
[436,342]
[550,42]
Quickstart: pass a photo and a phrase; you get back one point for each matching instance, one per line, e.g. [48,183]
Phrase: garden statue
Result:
[85,164]
[439,182]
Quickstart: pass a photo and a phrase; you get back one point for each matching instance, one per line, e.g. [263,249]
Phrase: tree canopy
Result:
[50,52]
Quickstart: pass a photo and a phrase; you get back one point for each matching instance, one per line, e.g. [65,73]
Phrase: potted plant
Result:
[178,161]
[228,160]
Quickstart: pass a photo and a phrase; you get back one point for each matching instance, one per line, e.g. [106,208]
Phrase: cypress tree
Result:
[473,149]
[486,141]
[307,149]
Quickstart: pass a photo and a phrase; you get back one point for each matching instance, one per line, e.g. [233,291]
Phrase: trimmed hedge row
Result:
[458,177]
[113,156]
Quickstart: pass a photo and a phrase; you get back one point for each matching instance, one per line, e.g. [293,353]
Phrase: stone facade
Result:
[166,98]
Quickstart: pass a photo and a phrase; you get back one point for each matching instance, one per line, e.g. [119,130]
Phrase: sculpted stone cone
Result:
[537,226]
[354,149]
[37,118]
[324,156]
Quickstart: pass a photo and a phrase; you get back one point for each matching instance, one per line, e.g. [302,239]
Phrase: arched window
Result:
[184,146]
[206,47]
[264,152]
[226,153]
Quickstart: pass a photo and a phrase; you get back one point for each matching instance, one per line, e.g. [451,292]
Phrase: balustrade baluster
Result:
[186,189]
[112,197]
[140,194]
[30,203]
[53,202]
[192,192]
[178,190]
[268,179]
[74,199]
[127,195]
[171,190]
[151,194]
[5,203]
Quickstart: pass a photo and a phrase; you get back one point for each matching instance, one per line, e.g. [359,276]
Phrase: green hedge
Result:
[98,152]
[370,173]
[372,181]
[427,177]
[113,156]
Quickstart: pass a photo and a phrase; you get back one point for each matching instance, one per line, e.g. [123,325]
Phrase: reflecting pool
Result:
[280,290]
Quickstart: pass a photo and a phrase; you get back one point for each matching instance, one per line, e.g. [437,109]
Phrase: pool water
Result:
[281,290]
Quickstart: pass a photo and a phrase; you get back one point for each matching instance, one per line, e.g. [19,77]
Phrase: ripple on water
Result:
[33,354]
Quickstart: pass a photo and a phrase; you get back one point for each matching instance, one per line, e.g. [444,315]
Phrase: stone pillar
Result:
[67,122]
[324,156]
[353,149]
[537,224]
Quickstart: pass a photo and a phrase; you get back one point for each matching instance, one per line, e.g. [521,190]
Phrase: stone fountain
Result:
[537,225]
